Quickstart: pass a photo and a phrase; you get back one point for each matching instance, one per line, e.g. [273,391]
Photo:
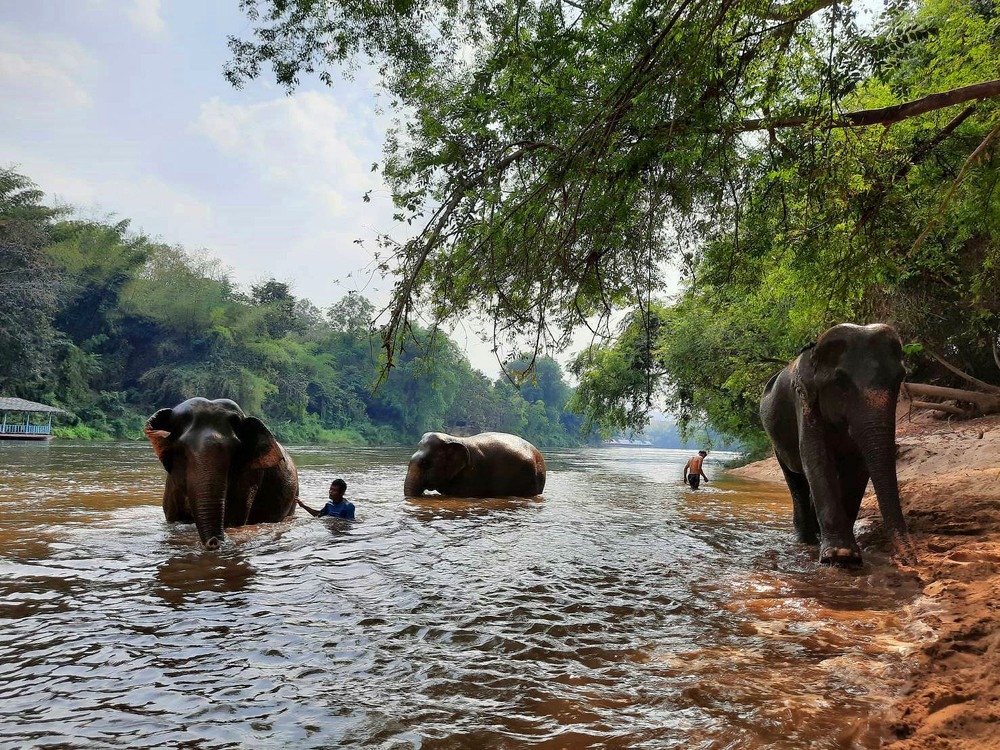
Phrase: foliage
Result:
[28,287]
[139,325]
[559,158]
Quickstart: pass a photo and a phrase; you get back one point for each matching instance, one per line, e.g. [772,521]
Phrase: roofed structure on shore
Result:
[23,429]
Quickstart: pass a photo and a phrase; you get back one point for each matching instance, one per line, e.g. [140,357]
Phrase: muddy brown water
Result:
[622,610]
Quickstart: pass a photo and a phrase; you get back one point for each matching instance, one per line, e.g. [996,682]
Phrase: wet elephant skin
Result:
[831,417]
[224,469]
[491,464]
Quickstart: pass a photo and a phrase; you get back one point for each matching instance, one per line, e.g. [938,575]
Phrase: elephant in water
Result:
[491,464]
[831,415]
[223,468]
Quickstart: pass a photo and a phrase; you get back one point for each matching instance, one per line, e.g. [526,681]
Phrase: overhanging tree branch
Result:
[883,115]
[973,158]
[791,14]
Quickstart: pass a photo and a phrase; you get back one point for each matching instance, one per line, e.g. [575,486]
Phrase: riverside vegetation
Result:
[802,163]
[112,326]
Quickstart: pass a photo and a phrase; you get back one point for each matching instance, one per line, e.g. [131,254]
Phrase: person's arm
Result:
[701,470]
[306,508]
[684,476]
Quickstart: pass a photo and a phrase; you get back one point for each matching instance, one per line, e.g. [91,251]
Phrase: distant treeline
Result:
[664,434]
[111,326]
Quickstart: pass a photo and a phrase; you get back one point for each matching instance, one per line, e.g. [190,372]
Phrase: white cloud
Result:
[307,141]
[151,203]
[314,155]
[145,16]
[40,72]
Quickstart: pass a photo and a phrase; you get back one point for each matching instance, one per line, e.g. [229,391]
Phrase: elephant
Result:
[224,469]
[490,464]
[831,416]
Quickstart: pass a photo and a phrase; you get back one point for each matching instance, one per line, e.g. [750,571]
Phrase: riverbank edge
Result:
[949,476]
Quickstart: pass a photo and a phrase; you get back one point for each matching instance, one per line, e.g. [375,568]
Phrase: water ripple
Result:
[620,610]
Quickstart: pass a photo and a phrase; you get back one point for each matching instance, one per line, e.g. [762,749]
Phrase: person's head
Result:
[337,489]
[702,453]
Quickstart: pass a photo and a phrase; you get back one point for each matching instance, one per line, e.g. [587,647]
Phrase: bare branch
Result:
[789,14]
[965,376]
[987,403]
[947,408]
[884,115]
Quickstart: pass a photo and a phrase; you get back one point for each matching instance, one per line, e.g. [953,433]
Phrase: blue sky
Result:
[120,106]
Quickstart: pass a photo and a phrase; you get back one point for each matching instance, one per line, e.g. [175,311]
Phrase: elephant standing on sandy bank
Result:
[831,415]
[224,468]
[491,464]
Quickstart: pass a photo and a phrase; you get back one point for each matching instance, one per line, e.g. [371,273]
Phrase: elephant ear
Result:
[260,447]
[818,365]
[157,430]
[454,457]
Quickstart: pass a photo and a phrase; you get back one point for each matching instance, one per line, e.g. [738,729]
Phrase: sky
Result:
[120,107]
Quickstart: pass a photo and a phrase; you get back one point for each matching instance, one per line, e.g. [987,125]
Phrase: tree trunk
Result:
[947,408]
[986,402]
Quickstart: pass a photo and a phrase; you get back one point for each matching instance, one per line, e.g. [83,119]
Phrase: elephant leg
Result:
[174,509]
[853,482]
[803,512]
[837,543]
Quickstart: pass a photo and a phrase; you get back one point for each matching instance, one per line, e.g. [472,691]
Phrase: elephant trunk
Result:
[413,486]
[875,433]
[207,485]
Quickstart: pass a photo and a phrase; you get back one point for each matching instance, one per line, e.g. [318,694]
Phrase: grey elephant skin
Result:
[491,464]
[831,415]
[224,469]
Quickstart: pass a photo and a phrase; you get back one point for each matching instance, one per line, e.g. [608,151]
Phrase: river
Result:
[622,610]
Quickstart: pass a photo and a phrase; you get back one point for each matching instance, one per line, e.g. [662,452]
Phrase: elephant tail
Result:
[539,472]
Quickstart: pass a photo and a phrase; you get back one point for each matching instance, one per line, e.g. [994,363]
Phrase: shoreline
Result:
[949,479]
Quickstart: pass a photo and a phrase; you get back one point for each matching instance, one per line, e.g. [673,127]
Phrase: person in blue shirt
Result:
[338,507]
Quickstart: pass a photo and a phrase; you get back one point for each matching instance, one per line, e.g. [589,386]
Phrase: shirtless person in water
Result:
[693,473]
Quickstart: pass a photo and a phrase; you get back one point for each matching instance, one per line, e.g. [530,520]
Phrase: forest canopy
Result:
[111,326]
[797,163]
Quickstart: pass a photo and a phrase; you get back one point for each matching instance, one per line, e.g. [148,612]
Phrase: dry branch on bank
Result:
[983,403]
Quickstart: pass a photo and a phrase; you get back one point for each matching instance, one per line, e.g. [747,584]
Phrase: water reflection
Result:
[445,508]
[621,610]
[199,572]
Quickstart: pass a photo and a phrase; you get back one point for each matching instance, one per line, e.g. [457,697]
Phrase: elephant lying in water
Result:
[831,415]
[223,468]
[491,464]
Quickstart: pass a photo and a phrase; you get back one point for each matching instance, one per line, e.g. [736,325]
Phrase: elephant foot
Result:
[844,557]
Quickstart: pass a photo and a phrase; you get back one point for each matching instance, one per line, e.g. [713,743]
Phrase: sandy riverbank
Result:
[949,477]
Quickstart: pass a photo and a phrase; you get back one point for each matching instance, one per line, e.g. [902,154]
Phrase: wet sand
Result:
[949,476]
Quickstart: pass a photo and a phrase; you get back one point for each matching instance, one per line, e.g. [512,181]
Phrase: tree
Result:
[276,298]
[29,287]
[558,155]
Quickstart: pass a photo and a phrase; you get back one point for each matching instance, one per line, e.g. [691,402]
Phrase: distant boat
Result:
[23,429]
[620,442]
